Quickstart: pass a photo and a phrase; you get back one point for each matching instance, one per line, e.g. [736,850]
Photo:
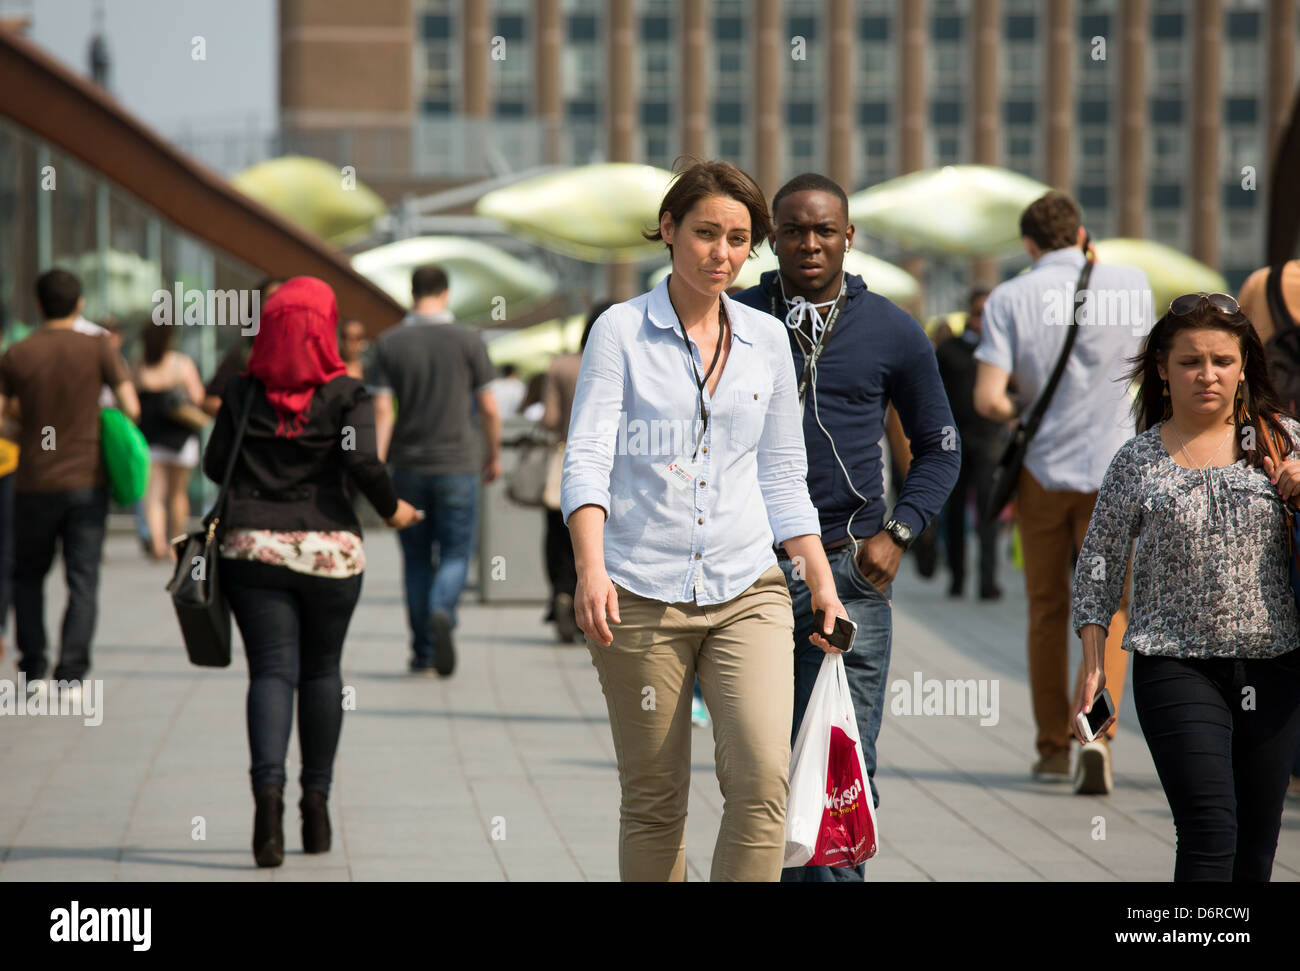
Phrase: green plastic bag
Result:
[126,456]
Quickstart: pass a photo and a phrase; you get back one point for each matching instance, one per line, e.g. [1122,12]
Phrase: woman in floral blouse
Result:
[292,544]
[1213,622]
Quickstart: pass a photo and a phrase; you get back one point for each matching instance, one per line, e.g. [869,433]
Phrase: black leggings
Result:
[1223,754]
[293,626]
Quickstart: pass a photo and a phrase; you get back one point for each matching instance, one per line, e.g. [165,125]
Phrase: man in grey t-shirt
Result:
[438,372]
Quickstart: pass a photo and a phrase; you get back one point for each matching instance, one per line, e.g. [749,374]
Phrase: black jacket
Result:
[299,483]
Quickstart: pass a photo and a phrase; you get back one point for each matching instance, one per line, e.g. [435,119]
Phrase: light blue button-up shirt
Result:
[637,410]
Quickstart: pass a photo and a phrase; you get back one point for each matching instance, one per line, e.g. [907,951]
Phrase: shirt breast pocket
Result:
[748,413]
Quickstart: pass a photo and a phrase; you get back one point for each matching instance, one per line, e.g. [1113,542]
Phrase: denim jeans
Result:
[42,519]
[866,667]
[450,504]
[293,626]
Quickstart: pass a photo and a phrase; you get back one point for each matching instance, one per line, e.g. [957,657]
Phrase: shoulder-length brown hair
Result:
[1259,397]
[700,179]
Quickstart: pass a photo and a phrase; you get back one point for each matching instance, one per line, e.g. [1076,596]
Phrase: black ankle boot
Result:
[268,826]
[315,822]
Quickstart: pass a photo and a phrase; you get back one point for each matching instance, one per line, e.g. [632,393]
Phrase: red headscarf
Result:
[296,349]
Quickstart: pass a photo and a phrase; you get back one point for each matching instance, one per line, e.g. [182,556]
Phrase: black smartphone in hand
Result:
[843,634]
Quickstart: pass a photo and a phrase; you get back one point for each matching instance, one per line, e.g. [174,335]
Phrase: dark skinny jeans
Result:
[1223,755]
[293,625]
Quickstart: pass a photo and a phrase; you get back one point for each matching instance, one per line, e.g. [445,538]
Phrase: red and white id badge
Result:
[680,472]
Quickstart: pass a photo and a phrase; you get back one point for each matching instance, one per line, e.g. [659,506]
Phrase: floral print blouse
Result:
[322,554]
[1211,573]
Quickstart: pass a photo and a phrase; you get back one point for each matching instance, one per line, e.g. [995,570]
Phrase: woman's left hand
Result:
[829,603]
[1286,477]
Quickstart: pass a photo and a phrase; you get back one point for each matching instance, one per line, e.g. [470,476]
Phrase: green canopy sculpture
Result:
[594,213]
[486,282]
[318,196]
[1170,272]
[956,210]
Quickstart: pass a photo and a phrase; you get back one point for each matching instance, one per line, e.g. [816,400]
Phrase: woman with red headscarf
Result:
[292,550]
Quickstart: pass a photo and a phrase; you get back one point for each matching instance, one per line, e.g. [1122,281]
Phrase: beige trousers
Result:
[741,652]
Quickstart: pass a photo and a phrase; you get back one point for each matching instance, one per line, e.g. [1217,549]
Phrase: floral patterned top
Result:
[1211,574]
[322,554]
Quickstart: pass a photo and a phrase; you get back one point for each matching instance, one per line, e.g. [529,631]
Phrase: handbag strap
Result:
[219,507]
[1030,425]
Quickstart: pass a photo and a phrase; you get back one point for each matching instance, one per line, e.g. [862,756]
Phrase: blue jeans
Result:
[866,667]
[450,504]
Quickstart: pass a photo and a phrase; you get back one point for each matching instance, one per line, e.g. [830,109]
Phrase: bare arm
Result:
[487,406]
[383,423]
[193,383]
[596,594]
[991,398]
[128,400]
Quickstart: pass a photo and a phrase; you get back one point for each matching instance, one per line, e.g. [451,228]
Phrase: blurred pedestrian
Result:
[54,377]
[981,444]
[508,390]
[353,347]
[292,553]
[1213,624]
[1086,423]
[166,380]
[235,360]
[560,384]
[685,425]
[9,431]
[855,353]
[437,370]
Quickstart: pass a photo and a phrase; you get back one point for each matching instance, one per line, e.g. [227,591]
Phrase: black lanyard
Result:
[701,382]
[811,359]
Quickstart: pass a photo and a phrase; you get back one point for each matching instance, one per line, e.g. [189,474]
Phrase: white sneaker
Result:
[1092,773]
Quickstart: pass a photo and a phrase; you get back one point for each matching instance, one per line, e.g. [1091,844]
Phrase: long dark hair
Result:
[1259,397]
[157,340]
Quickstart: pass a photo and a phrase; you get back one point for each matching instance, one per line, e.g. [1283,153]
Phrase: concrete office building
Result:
[1149,111]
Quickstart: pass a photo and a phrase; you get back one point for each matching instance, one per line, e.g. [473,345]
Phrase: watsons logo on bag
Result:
[102,925]
[951,697]
[846,801]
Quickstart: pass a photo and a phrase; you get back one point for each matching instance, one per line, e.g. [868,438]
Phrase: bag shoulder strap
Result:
[219,507]
[1277,308]
[1045,399]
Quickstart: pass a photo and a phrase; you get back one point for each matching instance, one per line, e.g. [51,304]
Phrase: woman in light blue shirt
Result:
[685,463]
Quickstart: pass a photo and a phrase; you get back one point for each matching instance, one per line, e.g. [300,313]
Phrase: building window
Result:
[1241,111]
[1235,197]
[948,149]
[512,109]
[1167,26]
[1094,112]
[583,29]
[656,113]
[656,29]
[583,110]
[945,113]
[437,27]
[436,107]
[805,27]
[873,29]
[731,147]
[1094,147]
[1093,25]
[1018,112]
[873,113]
[945,28]
[1167,111]
[728,28]
[801,113]
[1166,196]
[1243,25]
[1021,27]
[511,28]
[728,113]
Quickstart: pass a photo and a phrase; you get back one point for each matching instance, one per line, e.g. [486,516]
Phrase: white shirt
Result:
[1025,323]
[83,326]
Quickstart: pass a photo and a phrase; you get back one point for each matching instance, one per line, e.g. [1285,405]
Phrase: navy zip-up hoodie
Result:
[877,355]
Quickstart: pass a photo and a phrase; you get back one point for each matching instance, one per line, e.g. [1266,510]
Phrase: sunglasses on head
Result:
[1189,302]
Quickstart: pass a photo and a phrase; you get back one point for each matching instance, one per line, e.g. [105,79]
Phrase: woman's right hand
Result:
[595,596]
[405,515]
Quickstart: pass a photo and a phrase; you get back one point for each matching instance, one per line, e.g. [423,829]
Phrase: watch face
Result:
[902,531]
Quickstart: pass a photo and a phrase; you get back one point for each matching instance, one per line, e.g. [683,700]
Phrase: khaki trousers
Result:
[741,652]
[1052,523]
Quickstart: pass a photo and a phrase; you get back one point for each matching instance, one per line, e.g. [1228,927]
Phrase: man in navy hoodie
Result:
[856,353]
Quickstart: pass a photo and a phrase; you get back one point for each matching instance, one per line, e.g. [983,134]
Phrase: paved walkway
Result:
[506,771]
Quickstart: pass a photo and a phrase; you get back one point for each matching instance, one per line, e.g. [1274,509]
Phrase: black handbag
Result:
[195,587]
[1006,474]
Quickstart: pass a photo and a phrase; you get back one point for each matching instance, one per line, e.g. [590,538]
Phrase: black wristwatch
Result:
[900,533]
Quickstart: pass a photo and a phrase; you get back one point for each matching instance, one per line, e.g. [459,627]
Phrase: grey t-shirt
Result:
[433,367]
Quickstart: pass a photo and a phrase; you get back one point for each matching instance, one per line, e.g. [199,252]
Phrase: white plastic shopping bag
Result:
[831,818]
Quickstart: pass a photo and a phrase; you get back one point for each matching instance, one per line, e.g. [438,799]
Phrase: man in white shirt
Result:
[1025,326]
